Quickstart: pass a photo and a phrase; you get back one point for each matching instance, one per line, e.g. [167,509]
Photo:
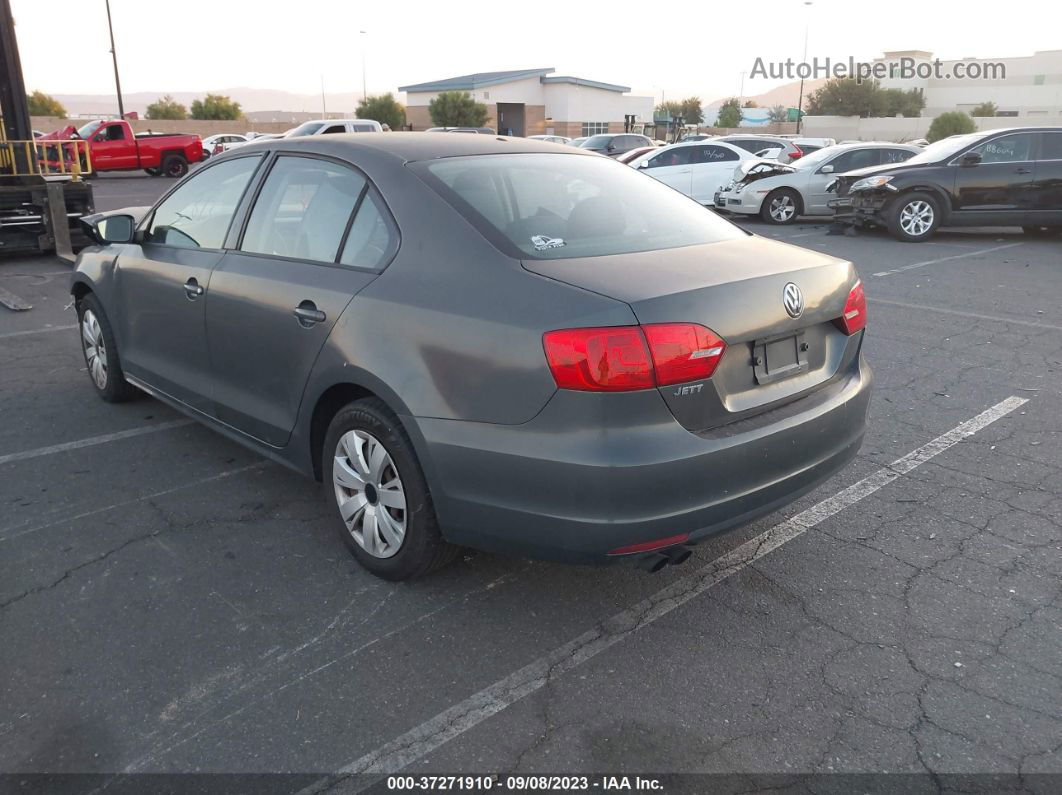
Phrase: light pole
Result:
[364,93]
[114,57]
[741,94]
[800,101]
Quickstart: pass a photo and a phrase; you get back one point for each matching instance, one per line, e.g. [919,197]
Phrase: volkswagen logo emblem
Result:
[793,300]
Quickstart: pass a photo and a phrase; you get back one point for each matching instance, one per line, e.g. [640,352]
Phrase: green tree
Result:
[750,103]
[670,109]
[457,109]
[778,114]
[166,107]
[954,122]
[384,109]
[216,107]
[985,109]
[729,113]
[904,103]
[846,96]
[40,104]
[691,111]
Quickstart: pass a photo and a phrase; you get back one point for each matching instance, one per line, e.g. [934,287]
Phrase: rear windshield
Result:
[556,206]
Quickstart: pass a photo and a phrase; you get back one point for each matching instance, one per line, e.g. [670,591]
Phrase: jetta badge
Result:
[793,300]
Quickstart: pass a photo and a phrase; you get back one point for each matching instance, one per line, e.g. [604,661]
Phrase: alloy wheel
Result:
[782,208]
[916,218]
[369,493]
[95,348]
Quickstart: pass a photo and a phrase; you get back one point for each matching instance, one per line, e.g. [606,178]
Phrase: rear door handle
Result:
[192,289]
[308,314]
[1023,171]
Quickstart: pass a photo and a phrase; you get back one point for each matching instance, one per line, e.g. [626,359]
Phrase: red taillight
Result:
[625,358]
[797,154]
[599,359]
[649,546]
[855,311]
[683,352]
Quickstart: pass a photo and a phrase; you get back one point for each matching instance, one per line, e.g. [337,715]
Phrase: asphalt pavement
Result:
[170,602]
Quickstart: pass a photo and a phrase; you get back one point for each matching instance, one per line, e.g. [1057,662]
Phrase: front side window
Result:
[115,132]
[676,156]
[198,213]
[557,206]
[1007,149]
[303,209]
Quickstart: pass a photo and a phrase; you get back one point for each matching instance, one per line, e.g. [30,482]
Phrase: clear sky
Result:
[682,48]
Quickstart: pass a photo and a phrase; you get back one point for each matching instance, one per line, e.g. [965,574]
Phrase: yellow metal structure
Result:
[45,158]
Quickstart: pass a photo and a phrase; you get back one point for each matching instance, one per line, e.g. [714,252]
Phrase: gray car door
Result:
[162,281]
[845,161]
[316,236]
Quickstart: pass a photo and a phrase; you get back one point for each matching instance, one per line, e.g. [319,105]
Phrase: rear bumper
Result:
[589,475]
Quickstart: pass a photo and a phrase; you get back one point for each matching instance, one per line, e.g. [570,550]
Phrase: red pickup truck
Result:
[114,147]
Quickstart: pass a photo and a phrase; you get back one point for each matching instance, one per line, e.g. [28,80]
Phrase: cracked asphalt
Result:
[170,602]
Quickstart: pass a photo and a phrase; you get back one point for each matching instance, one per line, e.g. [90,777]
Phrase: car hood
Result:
[753,170]
[892,168]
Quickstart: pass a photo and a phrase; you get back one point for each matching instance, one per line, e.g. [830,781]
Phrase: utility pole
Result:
[114,57]
[364,92]
[324,110]
[800,101]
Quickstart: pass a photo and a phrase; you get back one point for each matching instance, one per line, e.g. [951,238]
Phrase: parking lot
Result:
[173,603]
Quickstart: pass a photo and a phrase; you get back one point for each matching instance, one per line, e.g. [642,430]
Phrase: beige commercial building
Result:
[536,102]
[1028,86]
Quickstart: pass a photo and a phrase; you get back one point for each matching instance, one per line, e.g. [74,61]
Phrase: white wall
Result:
[854,128]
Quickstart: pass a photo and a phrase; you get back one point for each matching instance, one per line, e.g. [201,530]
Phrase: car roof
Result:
[413,146]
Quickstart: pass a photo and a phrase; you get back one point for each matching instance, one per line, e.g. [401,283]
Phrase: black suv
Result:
[615,145]
[1009,177]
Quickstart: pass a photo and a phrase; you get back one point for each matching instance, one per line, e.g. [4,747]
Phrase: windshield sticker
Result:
[542,242]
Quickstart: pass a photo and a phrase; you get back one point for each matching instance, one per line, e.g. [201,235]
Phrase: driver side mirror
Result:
[111,229]
[827,169]
[644,164]
[971,159]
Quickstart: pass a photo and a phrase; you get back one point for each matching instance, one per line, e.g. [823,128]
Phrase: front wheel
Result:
[914,217]
[781,207]
[375,486]
[101,353]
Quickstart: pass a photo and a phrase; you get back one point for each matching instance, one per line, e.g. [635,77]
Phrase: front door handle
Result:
[1023,171]
[308,314]
[192,289]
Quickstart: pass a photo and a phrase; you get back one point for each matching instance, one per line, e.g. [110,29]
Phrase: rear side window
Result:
[198,213]
[895,155]
[1052,146]
[556,206]
[714,154]
[372,240]
[303,209]
[678,156]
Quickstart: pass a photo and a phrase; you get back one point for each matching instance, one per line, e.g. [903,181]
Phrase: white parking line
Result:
[975,253]
[975,315]
[91,441]
[8,334]
[458,719]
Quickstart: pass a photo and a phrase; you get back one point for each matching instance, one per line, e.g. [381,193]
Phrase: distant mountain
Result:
[250,99]
[787,95]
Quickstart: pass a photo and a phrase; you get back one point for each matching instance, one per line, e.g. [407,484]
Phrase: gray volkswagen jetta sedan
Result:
[489,342]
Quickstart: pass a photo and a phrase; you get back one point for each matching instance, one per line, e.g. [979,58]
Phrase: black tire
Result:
[152,172]
[782,206]
[422,549]
[902,225]
[1042,231]
[174,166]
[114,388]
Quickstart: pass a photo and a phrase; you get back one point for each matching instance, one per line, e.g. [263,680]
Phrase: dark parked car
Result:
[615,145]
[1007,177]
[504,344]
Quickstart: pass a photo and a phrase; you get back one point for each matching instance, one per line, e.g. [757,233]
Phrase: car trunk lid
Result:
[736,289]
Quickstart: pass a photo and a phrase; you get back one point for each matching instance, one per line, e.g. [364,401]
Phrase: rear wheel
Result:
[374,484]
[914,217]
[781,207]
[174,166]
[101,353]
